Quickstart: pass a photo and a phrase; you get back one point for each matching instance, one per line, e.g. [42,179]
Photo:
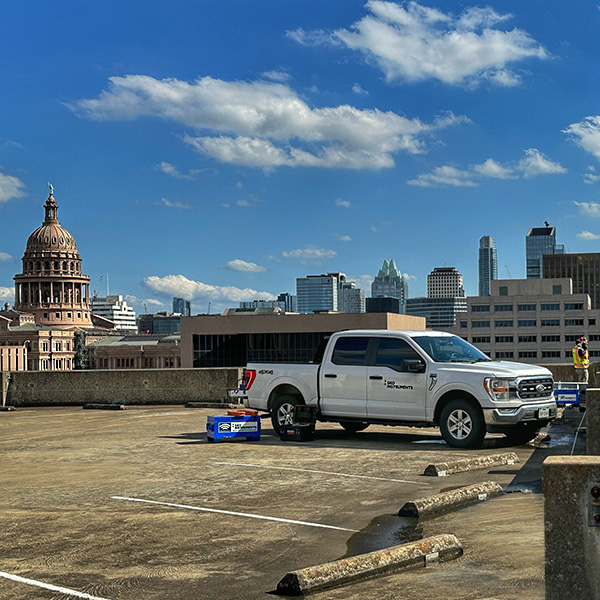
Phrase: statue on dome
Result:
[51,188]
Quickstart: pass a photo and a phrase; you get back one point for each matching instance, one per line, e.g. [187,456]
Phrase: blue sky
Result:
[219,149]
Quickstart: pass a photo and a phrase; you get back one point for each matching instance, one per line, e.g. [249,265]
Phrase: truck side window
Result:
[350,351]
[393,352]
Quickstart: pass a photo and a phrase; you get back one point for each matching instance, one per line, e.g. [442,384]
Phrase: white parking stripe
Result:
[315,471]
[53,588]
[235,514]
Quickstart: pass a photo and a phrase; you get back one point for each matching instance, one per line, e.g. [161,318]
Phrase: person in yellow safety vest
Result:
[581,359]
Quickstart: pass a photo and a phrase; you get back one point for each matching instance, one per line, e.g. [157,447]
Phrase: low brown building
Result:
[236,338]
[135,352]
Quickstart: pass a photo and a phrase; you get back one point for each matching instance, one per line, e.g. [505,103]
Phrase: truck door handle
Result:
[333,375]
[375,377]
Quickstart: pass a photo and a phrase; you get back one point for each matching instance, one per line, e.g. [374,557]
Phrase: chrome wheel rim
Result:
[460,424]
[285,414]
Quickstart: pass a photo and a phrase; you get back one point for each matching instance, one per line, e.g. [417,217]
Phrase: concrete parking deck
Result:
[124,505]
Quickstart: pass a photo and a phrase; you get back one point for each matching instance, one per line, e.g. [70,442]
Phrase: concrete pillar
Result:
[571,486]
[4,381]
[592,420]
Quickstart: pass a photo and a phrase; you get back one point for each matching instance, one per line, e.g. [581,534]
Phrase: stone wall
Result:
[131,386]
[567,373]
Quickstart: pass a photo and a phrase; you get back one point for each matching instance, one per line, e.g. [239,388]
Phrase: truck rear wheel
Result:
[282,412]
[462,424]
[353,426]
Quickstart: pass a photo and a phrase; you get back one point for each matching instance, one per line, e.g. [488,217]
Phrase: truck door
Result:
[343,379]
[394,389]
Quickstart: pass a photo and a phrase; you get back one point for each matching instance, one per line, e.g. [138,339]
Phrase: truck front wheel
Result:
[282,413]
[462,424]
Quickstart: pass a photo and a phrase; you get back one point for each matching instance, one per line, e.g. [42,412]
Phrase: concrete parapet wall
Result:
[131,386]
[571,487]
[566,372]
[592,420]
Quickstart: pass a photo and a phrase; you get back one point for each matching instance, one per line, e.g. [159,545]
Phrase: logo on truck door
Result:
[392,385]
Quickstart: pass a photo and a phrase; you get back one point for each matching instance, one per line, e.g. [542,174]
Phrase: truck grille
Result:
[530,388]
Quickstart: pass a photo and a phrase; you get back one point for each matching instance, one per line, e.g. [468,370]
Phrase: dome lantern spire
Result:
[51,207]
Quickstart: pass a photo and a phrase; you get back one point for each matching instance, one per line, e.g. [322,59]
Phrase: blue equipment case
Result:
[566,396]
[233,426]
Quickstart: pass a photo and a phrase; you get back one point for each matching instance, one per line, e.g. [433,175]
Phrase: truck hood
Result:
[499,369]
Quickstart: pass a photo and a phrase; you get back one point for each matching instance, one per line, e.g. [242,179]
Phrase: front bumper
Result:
[526,413]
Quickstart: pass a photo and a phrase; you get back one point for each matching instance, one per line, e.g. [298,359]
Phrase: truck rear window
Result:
[350,351]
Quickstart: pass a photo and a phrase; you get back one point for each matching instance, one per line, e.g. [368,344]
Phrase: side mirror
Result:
[414,365]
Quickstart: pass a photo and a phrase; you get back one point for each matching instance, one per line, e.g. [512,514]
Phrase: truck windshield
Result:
[450,349]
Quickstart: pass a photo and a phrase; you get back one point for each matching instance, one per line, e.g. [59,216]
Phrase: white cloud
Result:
[357,89]
[310,253]
[490,168]
[534,163]
[344,238]
[588,235]
[241,265]
[445,175]
[173,171]
[590,209]
[4,257]
[407,276]
[412,42]
[179,285]
[344,203]
[591,177]
[264,124]
[171,204]
[10,187]
[279,76]
[6,294]
[586,134]
[363,282]
[139,303]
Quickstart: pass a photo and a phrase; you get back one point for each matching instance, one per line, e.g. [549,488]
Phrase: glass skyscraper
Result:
[390,283]
[488,264]
[540,241]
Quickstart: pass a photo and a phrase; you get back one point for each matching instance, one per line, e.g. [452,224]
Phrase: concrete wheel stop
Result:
[6,408]
[471,464]
[454,499]
[425,552]
[94,406]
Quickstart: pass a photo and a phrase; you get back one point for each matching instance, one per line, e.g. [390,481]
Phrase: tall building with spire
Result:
[389,282]
[540,241]
[51,286]
[488,264]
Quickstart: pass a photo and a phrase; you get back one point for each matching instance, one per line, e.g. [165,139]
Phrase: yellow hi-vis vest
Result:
[578,362]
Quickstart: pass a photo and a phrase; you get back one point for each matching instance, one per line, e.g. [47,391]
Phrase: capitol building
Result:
[52,302]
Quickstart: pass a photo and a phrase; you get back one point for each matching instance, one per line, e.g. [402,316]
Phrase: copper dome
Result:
[50,236]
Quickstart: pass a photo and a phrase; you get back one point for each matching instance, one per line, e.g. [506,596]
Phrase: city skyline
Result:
[218,158]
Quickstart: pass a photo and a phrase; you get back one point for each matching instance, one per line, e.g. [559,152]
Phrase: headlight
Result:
[499,389]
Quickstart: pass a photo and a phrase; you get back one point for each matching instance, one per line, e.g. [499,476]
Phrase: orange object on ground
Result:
[241,413]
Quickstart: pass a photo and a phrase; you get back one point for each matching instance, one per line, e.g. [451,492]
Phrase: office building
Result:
[445,298]
[116,310]
[488,264]
[317,292]
[445,282]
[162,323]
[540,241]
[389,282]
[136,352]
[350,298]
[262,304]
[289,302]
[439,313]
[182,307]
[583,269]
[530,320]
[234,339]
[382,304]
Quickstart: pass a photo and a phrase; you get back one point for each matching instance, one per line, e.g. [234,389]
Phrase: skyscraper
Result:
[181,306]
[317,292]
[488,264]
[540,241]
[389,282]
[445,282]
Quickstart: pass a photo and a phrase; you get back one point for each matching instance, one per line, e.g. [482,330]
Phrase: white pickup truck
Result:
[415,378]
